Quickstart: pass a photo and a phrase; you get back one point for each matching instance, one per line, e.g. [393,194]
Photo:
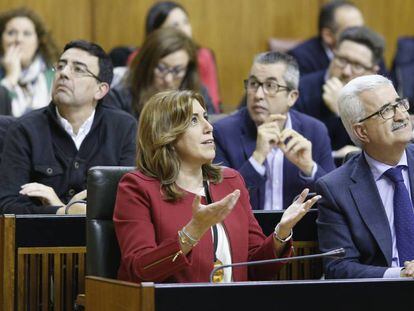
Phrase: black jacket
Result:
[38,149]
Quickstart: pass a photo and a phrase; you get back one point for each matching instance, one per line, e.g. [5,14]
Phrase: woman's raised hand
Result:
[12,64]
[295,212]
[205,216]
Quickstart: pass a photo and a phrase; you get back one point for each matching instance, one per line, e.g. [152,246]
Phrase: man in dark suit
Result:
[358,53]
[48,152]
[278,151]
[366,204]
[317,52]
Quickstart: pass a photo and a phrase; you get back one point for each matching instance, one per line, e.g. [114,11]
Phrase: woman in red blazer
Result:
[166,228]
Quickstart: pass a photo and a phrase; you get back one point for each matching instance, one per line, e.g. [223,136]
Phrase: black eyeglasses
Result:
[177,72]
[77,70]
[357,68]
[388,110]
[270,87]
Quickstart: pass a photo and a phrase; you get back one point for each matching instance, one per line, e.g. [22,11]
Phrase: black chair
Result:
[103,255]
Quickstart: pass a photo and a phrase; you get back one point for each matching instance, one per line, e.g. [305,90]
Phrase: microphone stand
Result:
[336,253]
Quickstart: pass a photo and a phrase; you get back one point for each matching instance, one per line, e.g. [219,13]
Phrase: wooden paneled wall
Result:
[234,29]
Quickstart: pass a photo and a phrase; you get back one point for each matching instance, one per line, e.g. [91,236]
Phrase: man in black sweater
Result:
[48,152]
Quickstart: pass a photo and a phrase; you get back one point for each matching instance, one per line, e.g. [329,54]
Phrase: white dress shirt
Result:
[83,130]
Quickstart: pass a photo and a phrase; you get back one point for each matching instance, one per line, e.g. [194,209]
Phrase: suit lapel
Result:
[248,134]
[368,201]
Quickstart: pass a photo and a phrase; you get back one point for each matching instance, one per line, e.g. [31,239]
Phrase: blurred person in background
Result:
[27,54]
[166,61]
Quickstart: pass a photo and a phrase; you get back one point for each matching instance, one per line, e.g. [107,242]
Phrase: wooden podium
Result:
[361,294]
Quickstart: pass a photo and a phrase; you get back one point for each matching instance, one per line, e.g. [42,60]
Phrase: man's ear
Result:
[293,97]
[102,90]
[376,69]
[360,132]
[328,37]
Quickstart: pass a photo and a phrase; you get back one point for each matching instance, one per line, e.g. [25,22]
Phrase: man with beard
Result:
[277,150]
[358,53]
[366,204]
[48,152]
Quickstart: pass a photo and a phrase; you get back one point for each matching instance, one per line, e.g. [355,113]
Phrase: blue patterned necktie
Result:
[403,216]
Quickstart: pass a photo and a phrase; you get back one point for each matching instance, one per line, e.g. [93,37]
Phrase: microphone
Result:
[336,253]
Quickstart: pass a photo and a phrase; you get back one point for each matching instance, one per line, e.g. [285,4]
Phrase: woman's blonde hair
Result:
[164,118]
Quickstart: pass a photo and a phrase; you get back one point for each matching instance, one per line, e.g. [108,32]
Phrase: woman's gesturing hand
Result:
[295,212]
[205,216]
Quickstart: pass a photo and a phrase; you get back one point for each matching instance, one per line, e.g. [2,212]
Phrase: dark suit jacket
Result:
[352,216]
[5,102]
[403,69]
[235,138]
[311,56]
[311,103]
[5,122]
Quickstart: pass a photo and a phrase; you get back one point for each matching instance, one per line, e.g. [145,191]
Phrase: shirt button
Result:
[49,171]
[72,192]
[76,164]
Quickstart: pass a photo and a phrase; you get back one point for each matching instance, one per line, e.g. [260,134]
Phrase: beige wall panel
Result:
[391,18]
[67,20]
[234,29]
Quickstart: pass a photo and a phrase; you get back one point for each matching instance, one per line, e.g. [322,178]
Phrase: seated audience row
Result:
[358,53]
[316,53]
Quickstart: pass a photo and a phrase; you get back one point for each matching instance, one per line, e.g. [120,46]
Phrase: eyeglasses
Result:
[388,110]
[269,87]
[357,68]
[177,72]
[77,70]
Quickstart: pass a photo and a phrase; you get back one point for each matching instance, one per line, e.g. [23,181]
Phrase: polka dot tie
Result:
[403,216]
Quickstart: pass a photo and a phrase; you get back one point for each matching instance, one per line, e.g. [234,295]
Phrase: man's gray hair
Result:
[291,75]
[351,109]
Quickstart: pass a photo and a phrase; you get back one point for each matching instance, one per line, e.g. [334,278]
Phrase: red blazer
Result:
[147,226]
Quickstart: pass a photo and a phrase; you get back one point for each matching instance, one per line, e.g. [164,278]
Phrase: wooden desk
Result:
[42,266]
[305,237]
[365,294]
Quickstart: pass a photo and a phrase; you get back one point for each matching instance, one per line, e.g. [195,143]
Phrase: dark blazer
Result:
[5,102]
[352,216]
[5,122]
[235,138]
[403,69]
[311,103]
[310,55]
[38,149]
